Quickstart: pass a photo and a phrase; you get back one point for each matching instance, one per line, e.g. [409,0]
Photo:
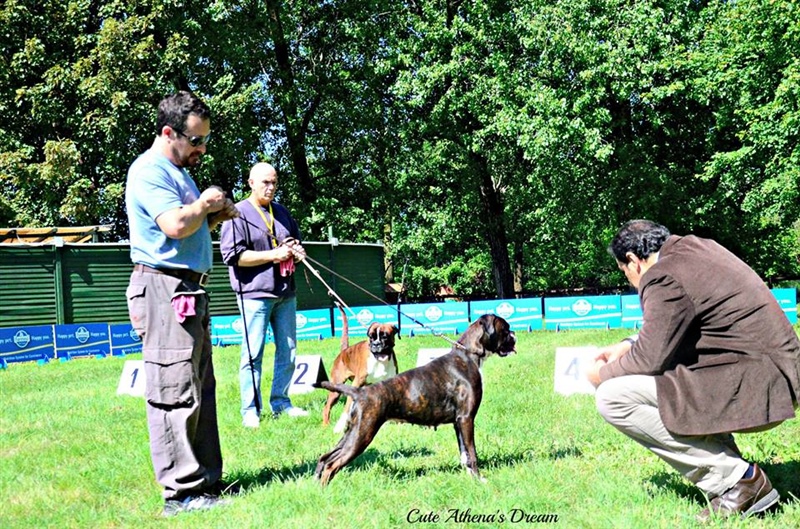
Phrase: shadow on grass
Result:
[565,452]
[386,462]
[675,483]
[783,476]
[492,462]
[247,480]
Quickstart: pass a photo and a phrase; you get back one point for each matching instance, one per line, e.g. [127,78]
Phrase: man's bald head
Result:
[263,183]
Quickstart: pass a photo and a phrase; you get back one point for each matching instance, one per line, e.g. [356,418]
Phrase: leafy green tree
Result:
[747,70]
[80,85]
[609,128]
[493,146]
[455,169]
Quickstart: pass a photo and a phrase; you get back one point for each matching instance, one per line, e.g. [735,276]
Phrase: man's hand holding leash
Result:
[296,249]
[219,206]
[294,253]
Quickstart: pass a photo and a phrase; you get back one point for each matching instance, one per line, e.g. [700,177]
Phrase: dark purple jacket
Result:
[249,232]
[724,354]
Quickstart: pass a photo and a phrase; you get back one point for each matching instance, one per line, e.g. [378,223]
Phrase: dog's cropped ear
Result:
[487,321]
[396,331]
[489,331]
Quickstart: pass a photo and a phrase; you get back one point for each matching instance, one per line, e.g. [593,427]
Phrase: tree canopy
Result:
[493,146]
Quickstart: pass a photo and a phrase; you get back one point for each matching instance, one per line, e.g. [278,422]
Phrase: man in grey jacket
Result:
[715,356]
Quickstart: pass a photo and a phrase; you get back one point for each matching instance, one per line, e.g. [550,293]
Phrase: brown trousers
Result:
[181,389]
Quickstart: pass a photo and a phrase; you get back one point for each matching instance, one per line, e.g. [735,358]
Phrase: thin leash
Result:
[434,332]
[331,292]
[256,396]
[305,260]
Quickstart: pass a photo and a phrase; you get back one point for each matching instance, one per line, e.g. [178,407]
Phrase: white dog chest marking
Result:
[377,371]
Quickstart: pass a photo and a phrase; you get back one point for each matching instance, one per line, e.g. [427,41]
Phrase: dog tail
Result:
[345,328]
[345,389]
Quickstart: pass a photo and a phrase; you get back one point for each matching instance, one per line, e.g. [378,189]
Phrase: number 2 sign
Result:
[308,370]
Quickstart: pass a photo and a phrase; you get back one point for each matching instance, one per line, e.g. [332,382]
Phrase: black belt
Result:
[188,275]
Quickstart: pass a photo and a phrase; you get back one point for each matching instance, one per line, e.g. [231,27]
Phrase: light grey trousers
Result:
[180,391]
[630,404]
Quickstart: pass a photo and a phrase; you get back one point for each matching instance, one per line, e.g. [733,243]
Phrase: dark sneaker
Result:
[192,503]
[223,488]
[749,496]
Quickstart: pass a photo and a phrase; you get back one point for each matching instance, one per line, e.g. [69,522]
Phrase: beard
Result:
[186,160]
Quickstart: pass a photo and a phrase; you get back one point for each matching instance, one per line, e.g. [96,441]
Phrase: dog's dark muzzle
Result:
[509,345]
[379,347]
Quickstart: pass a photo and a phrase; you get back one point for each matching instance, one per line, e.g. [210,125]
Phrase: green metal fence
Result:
[82,283]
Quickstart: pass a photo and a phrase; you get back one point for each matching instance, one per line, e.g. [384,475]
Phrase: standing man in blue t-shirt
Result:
[170,236]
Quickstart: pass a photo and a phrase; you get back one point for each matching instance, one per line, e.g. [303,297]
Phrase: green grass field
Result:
[75,454]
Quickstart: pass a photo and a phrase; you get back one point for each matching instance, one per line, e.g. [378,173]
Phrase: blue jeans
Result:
[280,313]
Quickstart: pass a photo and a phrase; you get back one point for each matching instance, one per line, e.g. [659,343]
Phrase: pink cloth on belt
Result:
[183,306]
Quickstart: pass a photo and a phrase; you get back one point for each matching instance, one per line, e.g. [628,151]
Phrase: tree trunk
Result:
[519,271]
[287,99]
[495,229]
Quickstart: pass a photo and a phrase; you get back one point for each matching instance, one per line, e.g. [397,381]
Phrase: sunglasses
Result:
[195,141]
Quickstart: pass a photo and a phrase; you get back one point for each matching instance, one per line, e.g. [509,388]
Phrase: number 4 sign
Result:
[308,370]
[572,366]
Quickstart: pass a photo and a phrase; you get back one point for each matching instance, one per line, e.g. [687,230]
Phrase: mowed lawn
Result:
[73,453]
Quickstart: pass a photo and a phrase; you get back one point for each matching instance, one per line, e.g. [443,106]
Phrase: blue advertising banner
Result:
[124,340]
[226,330]
[521,314]
[27,344]
[313,324]
[589,312]
[787,299]
[82,339]
[449,318]
[631,311]
[359,323]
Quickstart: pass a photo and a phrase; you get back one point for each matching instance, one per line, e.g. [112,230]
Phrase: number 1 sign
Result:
[132,381]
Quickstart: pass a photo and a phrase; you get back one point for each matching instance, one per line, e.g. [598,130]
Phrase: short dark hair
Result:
[640,237]
[175,108]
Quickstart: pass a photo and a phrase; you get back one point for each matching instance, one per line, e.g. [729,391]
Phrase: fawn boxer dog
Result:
[448,390]
[366,362]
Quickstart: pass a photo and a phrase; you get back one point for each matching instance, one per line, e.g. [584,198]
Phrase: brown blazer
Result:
[724,355]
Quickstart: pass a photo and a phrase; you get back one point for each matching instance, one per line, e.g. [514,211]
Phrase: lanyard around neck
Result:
[270,224]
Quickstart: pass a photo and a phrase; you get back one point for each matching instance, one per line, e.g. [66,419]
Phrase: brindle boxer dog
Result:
[448,390]
[364,363]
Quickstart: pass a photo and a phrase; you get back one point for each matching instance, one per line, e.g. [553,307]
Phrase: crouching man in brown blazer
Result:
[714,356]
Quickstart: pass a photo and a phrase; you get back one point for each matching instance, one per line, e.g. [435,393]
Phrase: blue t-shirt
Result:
[154,186]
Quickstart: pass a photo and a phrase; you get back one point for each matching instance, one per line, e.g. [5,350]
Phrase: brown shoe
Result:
[748,497]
